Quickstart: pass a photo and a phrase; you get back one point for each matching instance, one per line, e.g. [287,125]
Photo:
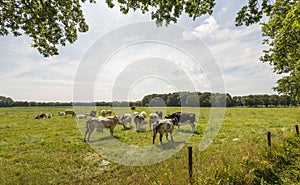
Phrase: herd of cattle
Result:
[156,122]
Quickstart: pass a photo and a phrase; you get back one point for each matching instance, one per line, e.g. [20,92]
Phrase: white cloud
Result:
[237,51]
[208,27]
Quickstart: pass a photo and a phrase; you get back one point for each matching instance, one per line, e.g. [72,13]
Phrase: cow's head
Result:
[175,121]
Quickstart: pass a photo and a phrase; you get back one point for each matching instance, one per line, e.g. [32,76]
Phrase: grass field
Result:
[52,151]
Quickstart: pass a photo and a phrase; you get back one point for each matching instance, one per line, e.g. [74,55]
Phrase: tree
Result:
[47,23]
[6,101]
[173,99]
[56,22]
[283,37]
[281,33]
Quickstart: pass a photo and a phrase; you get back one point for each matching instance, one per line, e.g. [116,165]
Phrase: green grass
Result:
[52,151]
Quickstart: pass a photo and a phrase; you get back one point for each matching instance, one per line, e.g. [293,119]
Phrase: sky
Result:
[100,66]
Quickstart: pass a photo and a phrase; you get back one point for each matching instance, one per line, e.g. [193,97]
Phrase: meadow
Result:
[52,151]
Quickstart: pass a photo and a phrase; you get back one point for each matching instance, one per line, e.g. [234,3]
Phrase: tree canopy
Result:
[47,23]
[50,23]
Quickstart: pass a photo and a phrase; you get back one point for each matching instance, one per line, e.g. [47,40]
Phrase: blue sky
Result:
[26,75]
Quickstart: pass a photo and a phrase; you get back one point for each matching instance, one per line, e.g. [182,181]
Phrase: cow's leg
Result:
[171,135]
[89,134]
[136,125]
[84,139]
[111,131]
[160,137]
[153,140]
[167,136]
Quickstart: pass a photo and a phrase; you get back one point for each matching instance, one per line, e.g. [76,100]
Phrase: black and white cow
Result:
[183,117]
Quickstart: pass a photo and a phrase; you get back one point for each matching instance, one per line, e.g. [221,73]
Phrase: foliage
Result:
[184,99]
[47,23]
[281,33]
[6,101]
[52,23]
[207,99]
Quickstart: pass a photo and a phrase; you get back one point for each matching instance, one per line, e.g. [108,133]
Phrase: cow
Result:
[164,126]
[48,115]
[100,123]
[135,114]
[183,117]
[106,113]
[124,119]
[143,113]
[153,117]
[139,120]
[43,115]
[39,116]
[71,112]
[61,113]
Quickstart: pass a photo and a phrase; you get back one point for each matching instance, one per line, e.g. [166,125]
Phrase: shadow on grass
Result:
[188,132]
[169,145]
[105,138]
[127,128]
[142,130]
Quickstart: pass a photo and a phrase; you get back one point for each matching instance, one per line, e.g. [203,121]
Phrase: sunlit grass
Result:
[52,151]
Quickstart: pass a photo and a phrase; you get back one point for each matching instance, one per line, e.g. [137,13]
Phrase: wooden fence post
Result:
[297,129]
[269,139]
[190,157]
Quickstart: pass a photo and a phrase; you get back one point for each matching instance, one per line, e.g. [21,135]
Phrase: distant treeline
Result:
[190,99]
[207,99]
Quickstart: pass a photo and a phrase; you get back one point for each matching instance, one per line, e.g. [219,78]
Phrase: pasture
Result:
[52,151]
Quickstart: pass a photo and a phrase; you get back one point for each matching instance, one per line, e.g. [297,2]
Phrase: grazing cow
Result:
[163,126]
[48,115]
[132,107]
[43,115]
[124,119]
[153,117]
[61,113]
[106,113]
[143,113]
[135,114]
[81,116]
[39,116]
[93,113]
[160,114]
[100,123]
[183,117]
[139,120]
[71,112]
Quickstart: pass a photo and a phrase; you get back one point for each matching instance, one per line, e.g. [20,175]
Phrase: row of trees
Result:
[188,99]
[208,99]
